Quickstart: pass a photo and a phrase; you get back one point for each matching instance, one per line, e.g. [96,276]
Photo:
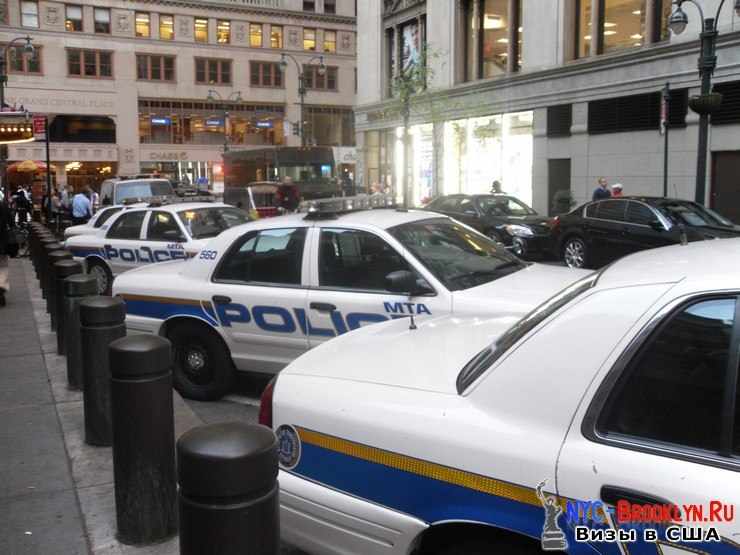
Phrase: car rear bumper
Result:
[323,521]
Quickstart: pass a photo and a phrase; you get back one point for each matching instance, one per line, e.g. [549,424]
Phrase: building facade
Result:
[527,93]
[147,86]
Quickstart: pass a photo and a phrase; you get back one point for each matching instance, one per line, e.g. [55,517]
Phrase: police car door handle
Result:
[611,495]
[221,299]
[323,307]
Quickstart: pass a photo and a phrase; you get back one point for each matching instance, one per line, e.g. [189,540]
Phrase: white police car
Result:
[264,293]
[98,220]
[620,391]
[153,233]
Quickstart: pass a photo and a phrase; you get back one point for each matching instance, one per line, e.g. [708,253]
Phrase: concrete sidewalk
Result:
[56,492]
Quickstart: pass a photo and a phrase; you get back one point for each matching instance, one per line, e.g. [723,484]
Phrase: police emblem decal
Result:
[289,446]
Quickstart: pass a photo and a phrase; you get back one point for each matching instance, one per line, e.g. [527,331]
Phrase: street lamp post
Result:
[27,49]
[236,96]
[302,85]
[707,102]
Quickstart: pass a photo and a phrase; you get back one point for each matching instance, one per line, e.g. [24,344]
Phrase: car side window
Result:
[354,259]
[466,206]
[673,391]
[269,256]
[592,210]
[106,215]
[449,205]
[638,213]
[127,226]
[163,227]
[612,210]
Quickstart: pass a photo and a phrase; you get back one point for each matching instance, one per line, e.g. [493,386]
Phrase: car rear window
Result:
[145,188]
[483,360]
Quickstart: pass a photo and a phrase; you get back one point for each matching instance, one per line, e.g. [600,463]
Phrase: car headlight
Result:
[518,230]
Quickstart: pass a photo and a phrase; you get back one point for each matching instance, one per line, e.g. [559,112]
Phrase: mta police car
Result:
[98,220]
[262,294]
[149,234]
[607,420]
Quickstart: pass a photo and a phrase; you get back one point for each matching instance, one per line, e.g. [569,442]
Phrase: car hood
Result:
[74,230]
[428,358]
[711,232]
[139,279]
[517,293]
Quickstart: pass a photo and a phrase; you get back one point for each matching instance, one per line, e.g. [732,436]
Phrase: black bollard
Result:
[62,270]
[143,438]
[76,288]
[228,500]
[47,246]
[102,321]
[51,296]
[36,247]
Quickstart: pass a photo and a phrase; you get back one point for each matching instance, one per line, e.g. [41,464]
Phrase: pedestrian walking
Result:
[22,205]
[6,225]
[81,208]
[617,190]
[602,191]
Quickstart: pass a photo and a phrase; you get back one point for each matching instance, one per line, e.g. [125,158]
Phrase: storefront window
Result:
[478,151]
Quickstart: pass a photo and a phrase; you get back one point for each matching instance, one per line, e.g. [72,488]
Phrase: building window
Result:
[330,41]
[223,31]
[317,82]
[638,112]
[142,25]
[151,67]
[212,71]
[622,24]
[309,39]
[20,62]
[29,13]
[265,74]
[93,64]
[255,35]
[494,38]
[201,30]
[73,21]
[330,6]
[166,27]
[559,120]
[309,6]
[330,126]
[101,17]
[276,36]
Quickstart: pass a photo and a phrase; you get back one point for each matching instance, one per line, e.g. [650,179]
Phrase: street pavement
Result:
[56,492]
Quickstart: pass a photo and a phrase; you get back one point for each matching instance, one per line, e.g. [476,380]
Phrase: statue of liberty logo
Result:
[553,537]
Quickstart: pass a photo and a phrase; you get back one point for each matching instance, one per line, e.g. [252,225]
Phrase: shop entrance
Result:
[725,196]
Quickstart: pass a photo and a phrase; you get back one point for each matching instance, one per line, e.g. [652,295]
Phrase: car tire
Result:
[575,252]
[202,366]
[485,547]
[494,235]
[102,275]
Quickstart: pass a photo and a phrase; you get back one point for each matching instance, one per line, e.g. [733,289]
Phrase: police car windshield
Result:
[457,256]
[143,189]
[203,223]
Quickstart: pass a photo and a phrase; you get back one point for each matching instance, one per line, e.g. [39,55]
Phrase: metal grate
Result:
[640,112]
[559,120]
[729,110]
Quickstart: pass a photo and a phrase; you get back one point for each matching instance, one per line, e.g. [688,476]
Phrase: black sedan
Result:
[501,217]
[600,232]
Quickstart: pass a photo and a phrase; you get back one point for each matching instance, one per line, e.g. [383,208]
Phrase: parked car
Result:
[261,294]
[117,190]
[98,220]
[150,234]
[501,217]
[600,232]
[452,438]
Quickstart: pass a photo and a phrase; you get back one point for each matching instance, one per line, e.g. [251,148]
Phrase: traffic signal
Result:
[296,129]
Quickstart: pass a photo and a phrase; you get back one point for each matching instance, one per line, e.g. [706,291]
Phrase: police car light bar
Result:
[329,207]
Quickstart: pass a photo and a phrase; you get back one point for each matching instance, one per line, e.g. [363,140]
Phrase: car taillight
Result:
[265,416]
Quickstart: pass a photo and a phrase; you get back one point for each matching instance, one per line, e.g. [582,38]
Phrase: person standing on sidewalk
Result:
[81,209]
[6,223]
[602,191]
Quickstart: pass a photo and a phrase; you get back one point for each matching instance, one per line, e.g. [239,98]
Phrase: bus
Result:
[312,169]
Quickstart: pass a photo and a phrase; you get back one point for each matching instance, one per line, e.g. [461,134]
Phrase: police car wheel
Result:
[102,276]
[202,365]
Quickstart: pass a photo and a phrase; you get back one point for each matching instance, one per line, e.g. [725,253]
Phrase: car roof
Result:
[180,206]
[382,218]
[714,262]
[647,199]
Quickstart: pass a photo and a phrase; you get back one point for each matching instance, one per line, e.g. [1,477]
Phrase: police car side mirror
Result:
[404,282]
